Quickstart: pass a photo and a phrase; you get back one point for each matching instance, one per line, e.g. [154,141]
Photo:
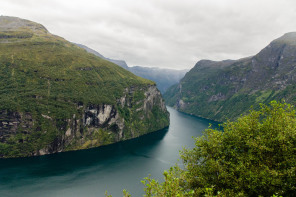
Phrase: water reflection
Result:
[67,162]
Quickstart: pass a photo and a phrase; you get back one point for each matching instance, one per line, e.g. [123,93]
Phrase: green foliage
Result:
[125,194]
[253,156]
[171,187]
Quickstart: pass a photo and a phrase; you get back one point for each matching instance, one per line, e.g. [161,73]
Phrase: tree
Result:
[253,156]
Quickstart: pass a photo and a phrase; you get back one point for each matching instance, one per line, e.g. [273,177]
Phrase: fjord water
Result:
[92,172]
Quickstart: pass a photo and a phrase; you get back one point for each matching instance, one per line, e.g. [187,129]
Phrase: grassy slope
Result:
[51,68]
[43,74]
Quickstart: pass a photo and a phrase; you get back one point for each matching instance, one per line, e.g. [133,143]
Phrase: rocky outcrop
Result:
[152,96]
[13,122]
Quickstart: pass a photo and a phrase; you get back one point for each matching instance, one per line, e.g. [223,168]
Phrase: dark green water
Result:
[92,172]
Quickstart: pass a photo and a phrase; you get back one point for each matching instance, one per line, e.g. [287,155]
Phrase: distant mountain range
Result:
[163,77]
[221,90]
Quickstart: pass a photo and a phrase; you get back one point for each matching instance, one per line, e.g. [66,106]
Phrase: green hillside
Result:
[45,81]
[226,89]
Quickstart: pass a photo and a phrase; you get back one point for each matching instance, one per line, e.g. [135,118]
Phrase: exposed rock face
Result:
[97,125]
[11,122]
[99,115]
[224,90]
[152,96]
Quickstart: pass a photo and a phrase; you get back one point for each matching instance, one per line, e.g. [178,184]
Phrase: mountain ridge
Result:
[230,88]
[163,77]
[120,63]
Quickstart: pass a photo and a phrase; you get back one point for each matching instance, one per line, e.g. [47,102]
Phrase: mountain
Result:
[57,97]
[120,63]
[221,90]
[164,78]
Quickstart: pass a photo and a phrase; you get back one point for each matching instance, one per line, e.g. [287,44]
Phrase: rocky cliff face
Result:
[57,97]
[224,90]
[92,125]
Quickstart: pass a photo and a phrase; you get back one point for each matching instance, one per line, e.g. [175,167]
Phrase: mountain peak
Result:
[287,38]
[213,64]
[15,24]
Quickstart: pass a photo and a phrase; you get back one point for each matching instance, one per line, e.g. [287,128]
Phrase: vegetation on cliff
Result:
[221,90]
[253,156]
[46,82]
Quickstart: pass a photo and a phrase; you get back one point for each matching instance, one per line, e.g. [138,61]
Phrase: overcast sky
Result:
[162,33]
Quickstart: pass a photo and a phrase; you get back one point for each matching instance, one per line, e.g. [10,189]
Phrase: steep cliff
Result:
[224,90]
[57,97]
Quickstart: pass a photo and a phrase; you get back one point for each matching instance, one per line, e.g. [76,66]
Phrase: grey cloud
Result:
[164,33]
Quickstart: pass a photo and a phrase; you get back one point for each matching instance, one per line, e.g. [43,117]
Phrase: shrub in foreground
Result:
[253,156]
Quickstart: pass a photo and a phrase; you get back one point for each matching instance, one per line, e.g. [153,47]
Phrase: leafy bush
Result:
[253,156]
